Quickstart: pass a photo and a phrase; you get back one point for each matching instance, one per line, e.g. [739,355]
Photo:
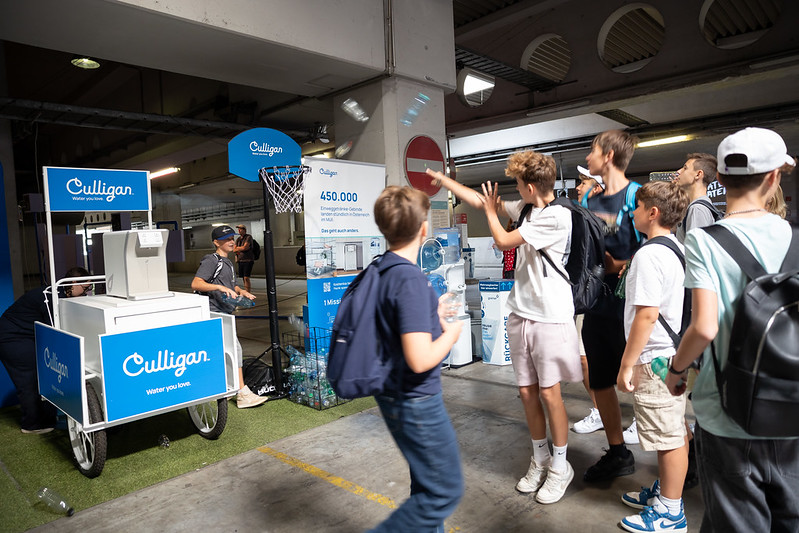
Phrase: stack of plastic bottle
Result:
[307,369]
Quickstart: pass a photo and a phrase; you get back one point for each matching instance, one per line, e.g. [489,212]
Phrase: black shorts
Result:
[603,338]
[245,268]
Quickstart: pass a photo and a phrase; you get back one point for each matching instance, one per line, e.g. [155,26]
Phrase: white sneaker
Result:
[555,485]
[534,479]
[589,424]
[246,398]
[631,433]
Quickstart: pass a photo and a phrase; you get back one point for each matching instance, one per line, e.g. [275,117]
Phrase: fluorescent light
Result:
[187,186]
[164,172]
[474,84]
[665,140]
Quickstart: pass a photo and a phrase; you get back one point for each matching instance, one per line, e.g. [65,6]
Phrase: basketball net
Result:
[286,186]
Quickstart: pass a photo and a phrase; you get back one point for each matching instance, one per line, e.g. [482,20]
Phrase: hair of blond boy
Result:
[533,168]
[707,164]
[400,212]
[668,197]
[776,204]
[622,143]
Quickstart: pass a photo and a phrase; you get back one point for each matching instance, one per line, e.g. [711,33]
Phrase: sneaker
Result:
[592,422]
[651,520]
[645,498]
[631,433]
[246,398]
[610,466]
[534,479]
[40,431]
[555,485]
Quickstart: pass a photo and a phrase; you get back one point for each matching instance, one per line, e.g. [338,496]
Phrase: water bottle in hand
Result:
[238,301]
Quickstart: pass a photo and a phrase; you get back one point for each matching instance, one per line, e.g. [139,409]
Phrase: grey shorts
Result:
[543,353]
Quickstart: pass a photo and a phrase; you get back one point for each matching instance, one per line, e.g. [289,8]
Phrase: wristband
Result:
[673,371]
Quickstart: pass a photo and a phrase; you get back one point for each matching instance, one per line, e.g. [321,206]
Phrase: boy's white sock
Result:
[559,458]
[663,504]
[541,452]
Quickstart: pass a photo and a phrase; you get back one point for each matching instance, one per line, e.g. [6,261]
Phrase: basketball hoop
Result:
[286,186]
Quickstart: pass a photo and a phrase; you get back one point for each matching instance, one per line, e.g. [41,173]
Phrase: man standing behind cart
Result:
[18,349]
[216,278]
[245,255]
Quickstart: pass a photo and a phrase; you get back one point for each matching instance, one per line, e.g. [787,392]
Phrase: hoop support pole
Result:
[271,294]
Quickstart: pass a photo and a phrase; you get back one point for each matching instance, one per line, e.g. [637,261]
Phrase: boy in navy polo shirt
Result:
[417,339]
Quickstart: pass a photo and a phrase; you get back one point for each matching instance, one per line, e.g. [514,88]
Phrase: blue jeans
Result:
[748,485]
[425,436]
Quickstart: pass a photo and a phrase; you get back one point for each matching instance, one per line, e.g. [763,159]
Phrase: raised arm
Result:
[466,195]
[505,240]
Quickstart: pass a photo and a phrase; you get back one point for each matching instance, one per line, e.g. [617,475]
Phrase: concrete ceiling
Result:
[688,86]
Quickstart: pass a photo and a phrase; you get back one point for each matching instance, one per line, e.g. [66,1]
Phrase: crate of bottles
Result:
[307,371]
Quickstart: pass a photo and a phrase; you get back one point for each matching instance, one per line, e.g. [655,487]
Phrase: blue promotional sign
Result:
[59,367]
[252,150]
[91,189]
[324,296]
[148,370]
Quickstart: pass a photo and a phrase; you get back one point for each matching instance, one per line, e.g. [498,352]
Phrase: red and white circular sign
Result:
[422,153]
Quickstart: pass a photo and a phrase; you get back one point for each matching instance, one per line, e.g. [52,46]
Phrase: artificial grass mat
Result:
[134,459]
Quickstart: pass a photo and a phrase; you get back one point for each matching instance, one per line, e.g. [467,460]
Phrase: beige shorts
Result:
[659,415]
[543,353]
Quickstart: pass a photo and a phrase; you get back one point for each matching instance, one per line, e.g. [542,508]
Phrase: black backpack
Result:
[585,267]
[356,365]
[256,250]
[686,303]
[759,385]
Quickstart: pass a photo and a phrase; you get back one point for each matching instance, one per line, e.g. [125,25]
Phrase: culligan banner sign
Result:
[148,370]
[59,366]
[341,236]
[91,189]
[252,150]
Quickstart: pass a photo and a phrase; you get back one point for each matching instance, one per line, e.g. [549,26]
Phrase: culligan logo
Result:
[51,362]
[98,189]
[264,148]
[328,172]
[135,364]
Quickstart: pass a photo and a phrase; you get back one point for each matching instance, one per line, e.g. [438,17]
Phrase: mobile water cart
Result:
[139,350]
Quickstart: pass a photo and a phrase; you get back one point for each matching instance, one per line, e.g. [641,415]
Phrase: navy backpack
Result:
[356,365]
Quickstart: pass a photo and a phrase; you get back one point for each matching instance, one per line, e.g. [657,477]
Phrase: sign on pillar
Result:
[422,153]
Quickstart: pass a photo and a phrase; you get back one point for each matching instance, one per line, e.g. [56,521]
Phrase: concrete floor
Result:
[346,476]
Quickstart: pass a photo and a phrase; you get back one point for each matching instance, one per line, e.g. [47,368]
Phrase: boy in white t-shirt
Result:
[654,288]
[541,331]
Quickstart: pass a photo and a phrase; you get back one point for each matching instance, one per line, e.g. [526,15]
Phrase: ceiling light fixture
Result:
[665,140]
[85,62]
[164,172]
[187,186]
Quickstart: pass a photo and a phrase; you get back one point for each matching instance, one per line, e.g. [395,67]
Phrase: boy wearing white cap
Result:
[589,186]
[748,482]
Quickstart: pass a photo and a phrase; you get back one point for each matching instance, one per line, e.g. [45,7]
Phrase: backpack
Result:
[222,304]
[686,302]
[585,267]
[356,365]
[256,249]
[629,207]
[759,385]
[259,376]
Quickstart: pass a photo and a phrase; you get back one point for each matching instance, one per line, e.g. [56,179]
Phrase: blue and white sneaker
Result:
[645,498]
[651,520]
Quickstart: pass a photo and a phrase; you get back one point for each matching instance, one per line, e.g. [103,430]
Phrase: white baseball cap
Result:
[752,151]
[598,179]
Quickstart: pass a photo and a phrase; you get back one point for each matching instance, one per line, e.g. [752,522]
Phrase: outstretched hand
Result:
[436,176]
[491,199]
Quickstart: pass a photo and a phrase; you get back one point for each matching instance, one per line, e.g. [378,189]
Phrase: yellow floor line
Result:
[330,478]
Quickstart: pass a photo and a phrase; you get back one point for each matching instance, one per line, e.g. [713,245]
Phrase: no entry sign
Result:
[423,153]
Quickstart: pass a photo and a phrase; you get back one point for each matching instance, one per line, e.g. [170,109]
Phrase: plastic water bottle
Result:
[55,501]
[660,366]
[163,442]
[239,301]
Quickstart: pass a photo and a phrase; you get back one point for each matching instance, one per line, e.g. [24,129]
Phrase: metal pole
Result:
[271,294]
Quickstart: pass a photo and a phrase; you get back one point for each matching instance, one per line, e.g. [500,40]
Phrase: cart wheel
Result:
[210,417]
[89,448]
